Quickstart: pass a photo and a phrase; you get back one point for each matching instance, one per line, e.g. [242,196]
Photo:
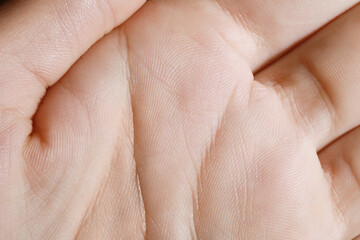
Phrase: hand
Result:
[195,119]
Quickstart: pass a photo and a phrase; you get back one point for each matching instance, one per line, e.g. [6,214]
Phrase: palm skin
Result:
[170,127]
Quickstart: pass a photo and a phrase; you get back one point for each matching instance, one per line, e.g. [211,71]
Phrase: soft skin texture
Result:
[200,119]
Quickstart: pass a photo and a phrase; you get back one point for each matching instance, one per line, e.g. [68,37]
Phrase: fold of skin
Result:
[162,131]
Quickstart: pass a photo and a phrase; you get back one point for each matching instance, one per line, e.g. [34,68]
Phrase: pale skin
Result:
[206,119]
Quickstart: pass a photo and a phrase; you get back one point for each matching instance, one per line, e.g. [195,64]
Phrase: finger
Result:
[318,82]
[40,40]
[341,163]
[81,151]
[275,27]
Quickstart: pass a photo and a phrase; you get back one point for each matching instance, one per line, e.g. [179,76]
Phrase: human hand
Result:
[192,120]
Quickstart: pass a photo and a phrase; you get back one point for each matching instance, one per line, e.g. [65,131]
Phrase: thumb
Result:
[40,40]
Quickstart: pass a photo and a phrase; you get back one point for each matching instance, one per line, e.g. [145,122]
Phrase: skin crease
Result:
[182,125]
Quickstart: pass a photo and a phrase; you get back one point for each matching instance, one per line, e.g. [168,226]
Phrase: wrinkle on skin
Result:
[167,134]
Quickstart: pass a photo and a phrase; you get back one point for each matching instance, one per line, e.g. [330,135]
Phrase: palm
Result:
[168,128]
